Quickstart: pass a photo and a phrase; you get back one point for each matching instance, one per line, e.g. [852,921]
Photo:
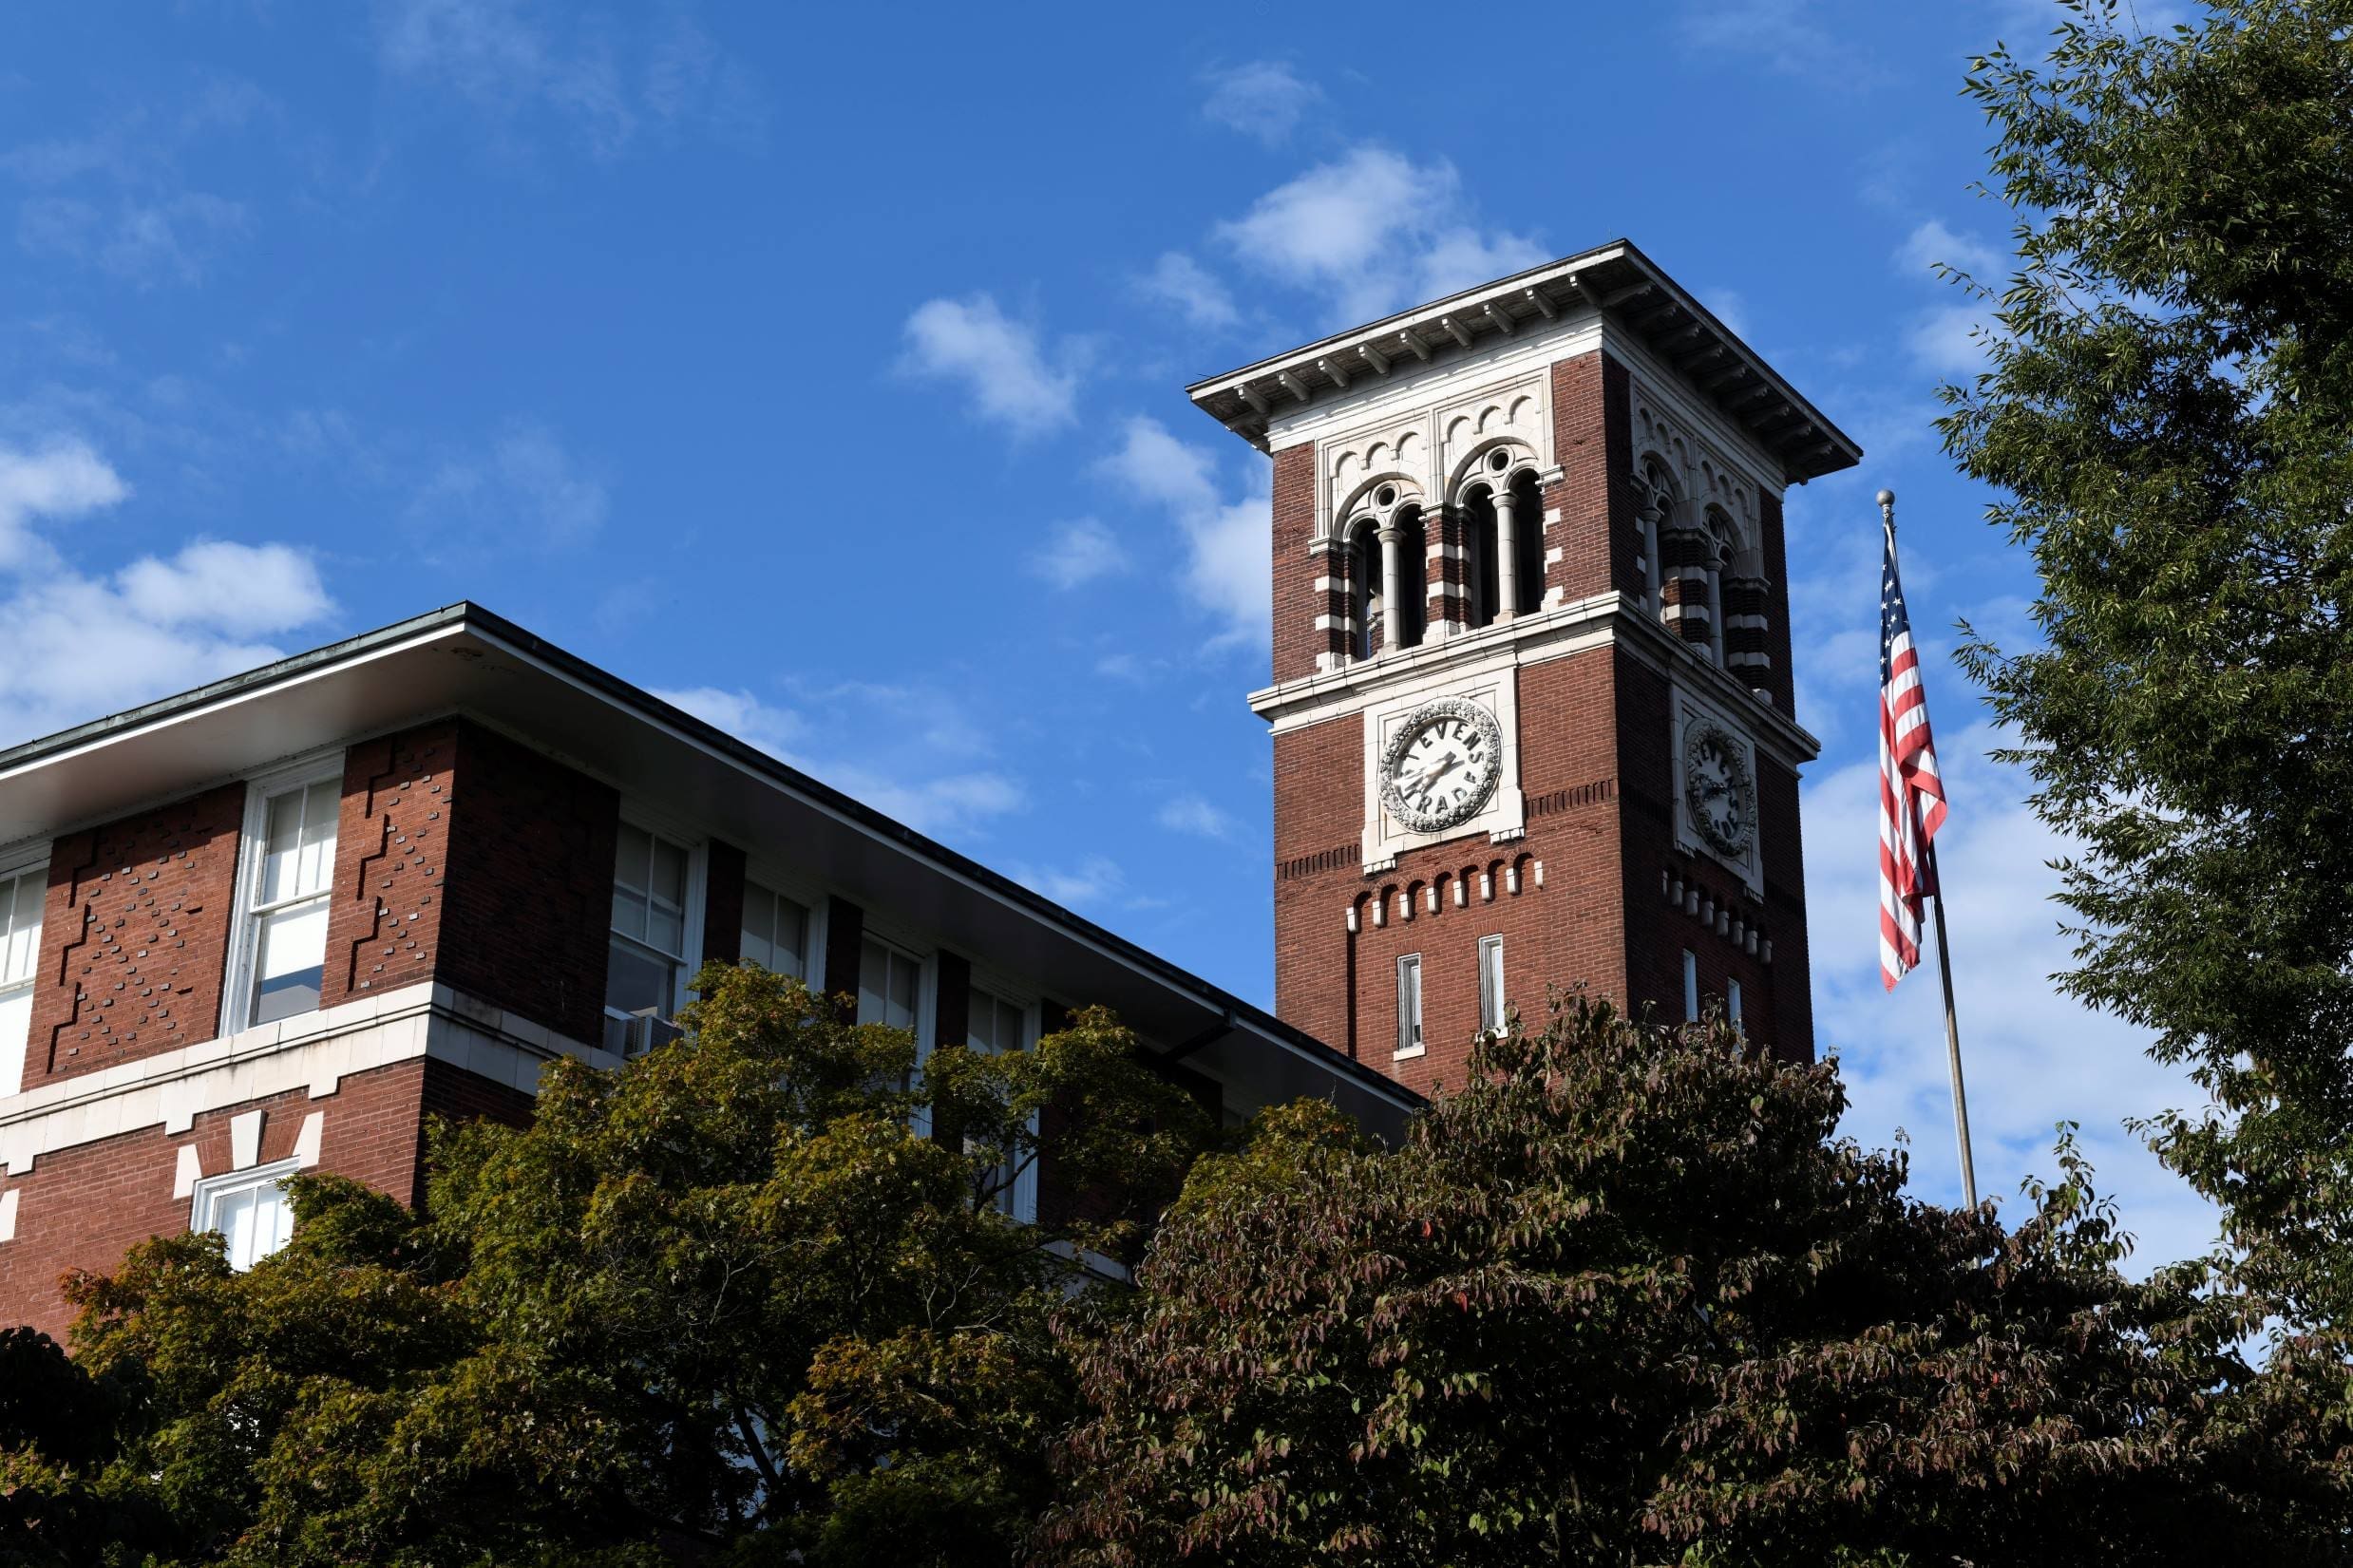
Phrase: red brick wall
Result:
[1297,603]
[1592,434]
[134,936]
[384,925]
[530,897]
[1319,855]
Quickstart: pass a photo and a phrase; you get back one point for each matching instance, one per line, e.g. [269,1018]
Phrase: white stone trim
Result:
[8,1215]
[307,1140]
[188,1170]
[313,1051]
[245,1140]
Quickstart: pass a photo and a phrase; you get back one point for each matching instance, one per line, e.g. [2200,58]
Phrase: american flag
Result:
[1912,792]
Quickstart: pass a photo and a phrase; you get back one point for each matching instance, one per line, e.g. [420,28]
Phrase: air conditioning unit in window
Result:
[641,1031]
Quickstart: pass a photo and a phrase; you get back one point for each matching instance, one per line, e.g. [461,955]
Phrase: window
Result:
[21,896]
[1691,987]
[1409,1005]
[775,932]
[1492,984]
[289,869]
[250,1209]
[1732,1002]
[890,984]
[998,1025]
[646,961]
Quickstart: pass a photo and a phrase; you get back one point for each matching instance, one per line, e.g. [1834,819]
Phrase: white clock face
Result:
[1716,789]
[1441,764]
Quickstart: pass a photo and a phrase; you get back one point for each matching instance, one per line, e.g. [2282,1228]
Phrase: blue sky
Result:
[828,376]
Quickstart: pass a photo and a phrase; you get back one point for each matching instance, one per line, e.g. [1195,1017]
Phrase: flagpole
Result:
[1943,962]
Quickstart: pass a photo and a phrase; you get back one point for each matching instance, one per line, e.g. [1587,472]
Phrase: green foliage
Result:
[2166,409]
[751,1298]
[1626,1299]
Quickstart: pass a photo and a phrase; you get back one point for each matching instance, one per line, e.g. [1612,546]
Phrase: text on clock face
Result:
[1445,765]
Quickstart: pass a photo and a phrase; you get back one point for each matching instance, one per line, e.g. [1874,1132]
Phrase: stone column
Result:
[1393,576]
[1506,557]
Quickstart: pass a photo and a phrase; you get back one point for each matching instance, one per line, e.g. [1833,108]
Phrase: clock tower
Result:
[1531,695]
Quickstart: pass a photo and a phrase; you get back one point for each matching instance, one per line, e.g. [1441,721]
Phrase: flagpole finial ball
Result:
[1887,498]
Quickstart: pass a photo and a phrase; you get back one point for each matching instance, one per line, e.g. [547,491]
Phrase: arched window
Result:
[1720,547]
[1654,509]
[1413,576]
[1482,562]
[1527,519]
[1364,590]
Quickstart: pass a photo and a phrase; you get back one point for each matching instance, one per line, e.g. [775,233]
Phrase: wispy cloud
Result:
[1096,880]
[1189,813]
[1226,539]
[171,622]
[904,784]
[1791,36]
[1372,231]
[524,481]
[1267,99]
[1002,363]
[1177,279]
[1077,553]
[1933,245]
[507,60]
[170,240]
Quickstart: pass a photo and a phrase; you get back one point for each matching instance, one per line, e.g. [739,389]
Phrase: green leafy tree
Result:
[1626,1298]
[751,1299]
[2167,414]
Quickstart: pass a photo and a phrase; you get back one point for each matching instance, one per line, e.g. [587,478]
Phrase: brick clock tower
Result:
[1532,699]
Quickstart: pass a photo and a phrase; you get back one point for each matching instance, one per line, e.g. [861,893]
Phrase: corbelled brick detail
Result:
[466,857]
[384,924]
[134,936]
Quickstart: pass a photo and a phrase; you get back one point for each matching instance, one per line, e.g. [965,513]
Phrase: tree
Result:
[751,1298]
[1624,1298]
[2165,412]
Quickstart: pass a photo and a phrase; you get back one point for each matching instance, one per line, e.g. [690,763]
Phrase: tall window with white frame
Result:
[775,932]
[288,875]
[996,1024]
[645,966]
[1691,987]
[22,890]
[250,1209]
[1409,1005]
[1732,1002]
[1491,985]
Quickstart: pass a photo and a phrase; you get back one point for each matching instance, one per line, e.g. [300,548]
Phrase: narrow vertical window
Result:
[889,981]
[21,896]
[1732,1002]
[1691,987]
[1409,1005]
[775,934]
[250,1209]
[996,1024]
[286,900]
[645,962]
[1492,984]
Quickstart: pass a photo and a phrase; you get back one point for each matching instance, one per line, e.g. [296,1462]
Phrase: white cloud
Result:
[1096,880]
[932,802]
[63,479]
[1177,279]
[1001,362]
[524,476]
[1945,340]
[1373,232]
[1730,306]
[1226,540]
[1261,98]
[168,623]
[1933,245]
[1791,36]
[143,241]
[1189,813]
[1077,553]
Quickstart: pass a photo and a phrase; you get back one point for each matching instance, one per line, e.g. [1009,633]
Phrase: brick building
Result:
[273,923]
[1531,714]
[1532,699]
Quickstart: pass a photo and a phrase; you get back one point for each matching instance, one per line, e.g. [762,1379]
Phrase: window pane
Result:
[903,978]
[669,884]
[1731,1001]
[758,943]
[1409,1003]
[20,926]
[887,985]
[290,961]
[281,845]
[1491,982]
[632,856]
[315,863]
[791,943]
[1691,986]
[233,1217]
[637,981]
[16,1022]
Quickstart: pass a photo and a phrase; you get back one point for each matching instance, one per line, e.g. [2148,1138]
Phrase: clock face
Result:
[1717,788]
[1440,766]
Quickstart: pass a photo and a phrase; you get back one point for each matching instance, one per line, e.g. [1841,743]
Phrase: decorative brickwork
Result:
[1592,434]
[384,920]
[1297,603]
[134,936]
